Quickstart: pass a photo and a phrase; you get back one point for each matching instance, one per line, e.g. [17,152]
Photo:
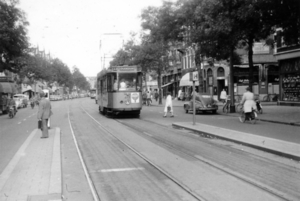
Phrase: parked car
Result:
[21,100]
[204,103]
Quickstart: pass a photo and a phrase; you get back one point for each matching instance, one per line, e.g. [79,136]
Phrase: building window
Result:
[220,72]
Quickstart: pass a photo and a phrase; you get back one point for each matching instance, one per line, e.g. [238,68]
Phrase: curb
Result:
[279,147]
[266,120]
[55,186]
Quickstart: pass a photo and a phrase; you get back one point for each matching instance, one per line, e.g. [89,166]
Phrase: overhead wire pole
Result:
[104,49]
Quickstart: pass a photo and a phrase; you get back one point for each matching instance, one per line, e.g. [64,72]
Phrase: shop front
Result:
[289,79]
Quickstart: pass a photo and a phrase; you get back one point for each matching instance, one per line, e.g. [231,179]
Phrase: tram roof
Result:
[115,69]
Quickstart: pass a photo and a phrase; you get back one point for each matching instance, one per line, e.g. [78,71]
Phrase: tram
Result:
[120,90]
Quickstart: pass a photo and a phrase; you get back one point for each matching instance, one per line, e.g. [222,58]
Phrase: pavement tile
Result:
[29,173]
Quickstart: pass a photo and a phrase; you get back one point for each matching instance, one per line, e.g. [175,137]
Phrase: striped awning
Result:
[7,87]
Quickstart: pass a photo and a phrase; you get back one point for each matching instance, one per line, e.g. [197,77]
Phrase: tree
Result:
[35,67]
[13,38]
[286,14]
[61,74]
[79,80]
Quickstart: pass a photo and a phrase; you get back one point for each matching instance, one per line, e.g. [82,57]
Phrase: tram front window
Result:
[127,82]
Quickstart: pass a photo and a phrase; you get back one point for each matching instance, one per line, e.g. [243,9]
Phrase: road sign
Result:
[194,76]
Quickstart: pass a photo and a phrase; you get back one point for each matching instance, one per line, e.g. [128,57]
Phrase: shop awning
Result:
[185,81]
[28,88]
[7,87]
[166,84]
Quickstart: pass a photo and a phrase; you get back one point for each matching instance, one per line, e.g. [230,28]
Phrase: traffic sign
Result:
[194,76]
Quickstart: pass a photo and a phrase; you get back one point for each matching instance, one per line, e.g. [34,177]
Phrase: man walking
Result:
[44,114]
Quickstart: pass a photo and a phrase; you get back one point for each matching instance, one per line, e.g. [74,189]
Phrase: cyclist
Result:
[248,105]
[12,103]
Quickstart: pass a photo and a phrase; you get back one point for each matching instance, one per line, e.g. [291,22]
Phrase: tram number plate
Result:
[135,98]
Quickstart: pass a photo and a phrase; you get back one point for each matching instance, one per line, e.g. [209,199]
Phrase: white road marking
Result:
[121,169]
[24,119]
[19,122]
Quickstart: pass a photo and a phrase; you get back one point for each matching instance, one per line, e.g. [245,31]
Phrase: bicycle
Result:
[226,107]
[270,97]
[239,107]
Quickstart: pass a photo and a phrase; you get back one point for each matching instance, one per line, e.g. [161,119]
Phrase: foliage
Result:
[35,67]
[61,73]
[13,36]
[286,14]
[79,80]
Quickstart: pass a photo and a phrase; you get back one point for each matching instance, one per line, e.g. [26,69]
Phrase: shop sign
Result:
[244,81]
[288,66]
[260,48]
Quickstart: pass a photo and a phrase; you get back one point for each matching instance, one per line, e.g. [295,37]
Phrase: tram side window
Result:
[112,82]
[139,82]
[103,86]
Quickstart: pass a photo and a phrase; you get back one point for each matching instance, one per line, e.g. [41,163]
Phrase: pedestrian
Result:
[223,96]
[144,96]
[44,114]
[168,105]
[179,94]
[156,95]
[248,104]
[149,98]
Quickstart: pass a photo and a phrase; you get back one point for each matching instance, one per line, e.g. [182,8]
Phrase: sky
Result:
[71,30]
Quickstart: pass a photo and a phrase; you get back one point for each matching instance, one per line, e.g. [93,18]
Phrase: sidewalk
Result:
[34,173]
[271,112]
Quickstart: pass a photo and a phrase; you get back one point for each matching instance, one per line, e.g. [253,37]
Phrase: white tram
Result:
[120,90]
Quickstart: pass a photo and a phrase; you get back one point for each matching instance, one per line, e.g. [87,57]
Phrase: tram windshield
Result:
[127,82]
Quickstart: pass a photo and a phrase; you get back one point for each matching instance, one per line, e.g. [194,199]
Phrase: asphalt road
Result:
[13,132]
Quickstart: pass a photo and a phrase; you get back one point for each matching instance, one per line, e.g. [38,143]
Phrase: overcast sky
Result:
[71,29]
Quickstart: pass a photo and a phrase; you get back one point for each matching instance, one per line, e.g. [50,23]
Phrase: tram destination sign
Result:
[125,69]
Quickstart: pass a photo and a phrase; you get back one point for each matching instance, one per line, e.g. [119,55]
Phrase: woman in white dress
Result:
[169,105]
[248,103]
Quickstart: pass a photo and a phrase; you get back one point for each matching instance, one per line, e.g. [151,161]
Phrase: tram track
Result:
[212,164]
[178,183]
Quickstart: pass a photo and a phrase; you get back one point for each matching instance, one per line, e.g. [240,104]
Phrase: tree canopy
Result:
[13,36]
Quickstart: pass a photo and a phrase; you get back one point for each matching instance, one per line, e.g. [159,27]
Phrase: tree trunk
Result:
[159,85]
[231,83]
[250,59]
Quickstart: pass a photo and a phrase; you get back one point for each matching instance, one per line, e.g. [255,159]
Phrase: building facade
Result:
[289,75]
[265,73]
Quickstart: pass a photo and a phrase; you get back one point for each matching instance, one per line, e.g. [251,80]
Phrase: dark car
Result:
[204,103]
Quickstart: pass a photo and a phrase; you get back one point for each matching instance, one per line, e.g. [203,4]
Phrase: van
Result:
[21,100]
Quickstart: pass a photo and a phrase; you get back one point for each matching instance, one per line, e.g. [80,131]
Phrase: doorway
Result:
[220,87]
